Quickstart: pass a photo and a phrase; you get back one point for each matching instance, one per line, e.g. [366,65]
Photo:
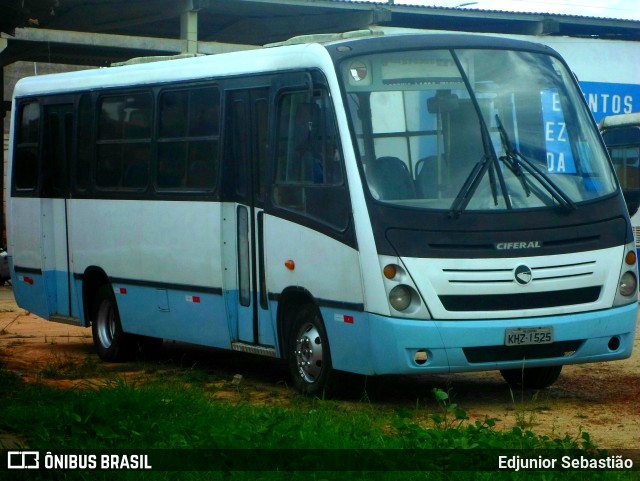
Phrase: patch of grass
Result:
[174,412]
[525,411]
[67,367]
[170,414]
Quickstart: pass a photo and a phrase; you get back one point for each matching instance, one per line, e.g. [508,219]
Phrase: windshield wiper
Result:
[489,159]
[517,162]
[470,185]
[487,162]
[511,159]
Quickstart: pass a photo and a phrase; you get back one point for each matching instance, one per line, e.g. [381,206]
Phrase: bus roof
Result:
[314,53]
[183,69]
[620,120]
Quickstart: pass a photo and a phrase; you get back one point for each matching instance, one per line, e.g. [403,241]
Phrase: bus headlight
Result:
[628,280]
[628,284]
[400,297]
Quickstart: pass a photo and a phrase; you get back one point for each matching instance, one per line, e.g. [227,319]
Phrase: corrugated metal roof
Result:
[392,4]
[256,22]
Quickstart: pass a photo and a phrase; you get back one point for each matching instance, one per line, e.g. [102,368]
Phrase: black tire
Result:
[112,344]
[531,377]
[308,352]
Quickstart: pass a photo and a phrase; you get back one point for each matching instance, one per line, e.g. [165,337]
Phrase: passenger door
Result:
[56,254]
[245,157]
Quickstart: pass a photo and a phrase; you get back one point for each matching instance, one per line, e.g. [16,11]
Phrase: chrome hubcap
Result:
[106,325]
[309,353]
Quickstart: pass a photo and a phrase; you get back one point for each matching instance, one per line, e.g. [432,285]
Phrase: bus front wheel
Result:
[111,342]
[531,377]
[308,352]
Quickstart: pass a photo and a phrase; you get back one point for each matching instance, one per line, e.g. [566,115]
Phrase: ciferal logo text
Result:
[506,246]
[23,460]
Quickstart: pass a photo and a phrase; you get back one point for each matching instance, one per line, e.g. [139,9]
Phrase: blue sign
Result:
[611,98]
[556,137]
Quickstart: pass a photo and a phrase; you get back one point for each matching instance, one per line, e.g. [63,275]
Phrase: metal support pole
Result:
[189,29]
[4,159]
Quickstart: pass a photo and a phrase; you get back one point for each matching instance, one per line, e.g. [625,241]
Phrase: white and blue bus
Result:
[405,204]
[621,134]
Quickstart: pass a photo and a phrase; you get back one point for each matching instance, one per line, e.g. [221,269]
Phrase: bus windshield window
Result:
[498,129]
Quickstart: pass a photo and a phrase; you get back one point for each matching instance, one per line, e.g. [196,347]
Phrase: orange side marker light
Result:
[630,258]
[390,271]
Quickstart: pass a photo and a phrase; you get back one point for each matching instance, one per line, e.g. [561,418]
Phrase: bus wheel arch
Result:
[112,343]
[304,341]
[101,312]
[92,281]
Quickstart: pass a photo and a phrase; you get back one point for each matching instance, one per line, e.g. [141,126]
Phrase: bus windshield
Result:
[474,130]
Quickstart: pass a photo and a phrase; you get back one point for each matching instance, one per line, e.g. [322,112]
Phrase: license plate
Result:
[530,335]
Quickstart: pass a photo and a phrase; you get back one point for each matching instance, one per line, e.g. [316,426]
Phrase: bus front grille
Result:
[482,354]
[508,302]
[505,275]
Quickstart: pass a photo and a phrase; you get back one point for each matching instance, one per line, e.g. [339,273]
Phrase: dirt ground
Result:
[600,399]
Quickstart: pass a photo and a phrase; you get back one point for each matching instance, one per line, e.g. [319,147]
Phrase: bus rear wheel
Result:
[308,352]
[111,342]
[531,377]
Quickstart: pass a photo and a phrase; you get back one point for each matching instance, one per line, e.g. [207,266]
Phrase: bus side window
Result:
[189,121]
[309,172]
[25,169]
[124,142]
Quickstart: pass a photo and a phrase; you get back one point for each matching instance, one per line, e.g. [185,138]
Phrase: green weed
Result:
[67,367]
[174,413]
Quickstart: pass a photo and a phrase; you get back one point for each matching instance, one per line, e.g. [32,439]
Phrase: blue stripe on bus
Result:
[27,270]
[160,285]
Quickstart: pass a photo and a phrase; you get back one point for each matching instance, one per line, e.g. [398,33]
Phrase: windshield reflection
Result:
[474,130]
